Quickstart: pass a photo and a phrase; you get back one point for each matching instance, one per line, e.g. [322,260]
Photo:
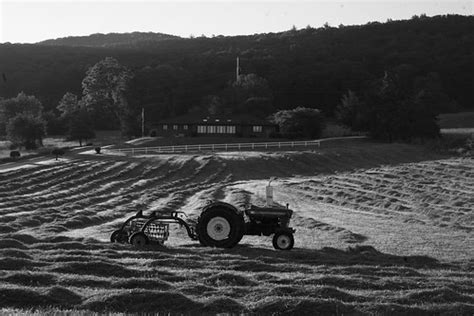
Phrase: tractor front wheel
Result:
[220,227]
[283,241]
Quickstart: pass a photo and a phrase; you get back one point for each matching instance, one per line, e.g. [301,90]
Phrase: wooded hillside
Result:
[312,67]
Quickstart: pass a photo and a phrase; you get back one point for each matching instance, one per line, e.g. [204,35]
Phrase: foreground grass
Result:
[192,279]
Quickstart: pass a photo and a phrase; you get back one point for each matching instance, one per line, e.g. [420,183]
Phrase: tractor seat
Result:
[275,212]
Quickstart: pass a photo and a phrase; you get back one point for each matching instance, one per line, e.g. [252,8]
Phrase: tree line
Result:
[397,106]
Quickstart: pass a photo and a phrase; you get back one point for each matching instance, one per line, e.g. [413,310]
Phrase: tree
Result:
[105,87]
[251,94]
[22,103]
[77,118]
[299,122]
[27,130]
[55,125]
[214,105]
[68,104]
[258,106]
[396,111]
[431,92]
[80,126]
[350,111]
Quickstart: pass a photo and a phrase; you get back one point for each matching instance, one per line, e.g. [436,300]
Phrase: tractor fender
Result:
[221,204]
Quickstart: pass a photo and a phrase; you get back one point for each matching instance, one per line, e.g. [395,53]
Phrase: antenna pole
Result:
[143,122]
[237,70]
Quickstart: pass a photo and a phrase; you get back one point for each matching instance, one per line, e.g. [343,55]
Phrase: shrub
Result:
[58,152]
[15,154]
[299,122]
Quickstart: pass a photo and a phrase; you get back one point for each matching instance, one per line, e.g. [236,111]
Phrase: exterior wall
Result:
[258,130]
[172,130]
[212,129]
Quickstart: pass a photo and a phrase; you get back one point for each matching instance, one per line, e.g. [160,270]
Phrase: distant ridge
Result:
[109,40]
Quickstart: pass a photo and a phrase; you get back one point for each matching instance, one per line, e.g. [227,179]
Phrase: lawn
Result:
[456,120]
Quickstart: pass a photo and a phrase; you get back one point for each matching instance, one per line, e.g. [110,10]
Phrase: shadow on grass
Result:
[366,255]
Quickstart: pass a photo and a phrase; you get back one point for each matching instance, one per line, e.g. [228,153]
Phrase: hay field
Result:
[381,229]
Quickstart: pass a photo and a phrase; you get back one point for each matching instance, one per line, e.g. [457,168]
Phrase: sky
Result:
[30,21]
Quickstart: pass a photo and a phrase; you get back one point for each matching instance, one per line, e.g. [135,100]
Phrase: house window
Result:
[230,129]
[220,129]
[201,129]
[185,127]
[175,127]
[257,128]
[211,129]
[165,127]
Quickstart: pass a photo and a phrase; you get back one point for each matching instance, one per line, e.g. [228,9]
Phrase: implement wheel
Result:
[220,227]
[119,236]
[138,239]
[283,241]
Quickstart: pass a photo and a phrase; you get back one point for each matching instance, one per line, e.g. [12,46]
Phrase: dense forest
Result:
[110,40]
[311,67]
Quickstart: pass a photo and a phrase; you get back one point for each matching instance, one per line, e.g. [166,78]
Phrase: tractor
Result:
[220,224]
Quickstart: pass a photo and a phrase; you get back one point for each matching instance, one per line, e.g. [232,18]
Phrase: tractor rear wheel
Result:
[220,227]
[283,241]
[138,239]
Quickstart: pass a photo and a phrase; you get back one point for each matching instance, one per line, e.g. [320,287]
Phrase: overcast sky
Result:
[29,21]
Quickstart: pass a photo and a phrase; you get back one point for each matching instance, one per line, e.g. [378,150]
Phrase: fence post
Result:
[186,148]
[212,147]
[225,147]
[305,144]
[172,148]
[133,151]
[279,145]
[292,144]
[266,145]
[239,147]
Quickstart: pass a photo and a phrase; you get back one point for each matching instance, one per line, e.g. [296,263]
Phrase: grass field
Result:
[381,229]
[102,138]
[456,120]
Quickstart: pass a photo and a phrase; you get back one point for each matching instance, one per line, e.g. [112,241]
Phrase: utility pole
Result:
[143,122]
[237,70]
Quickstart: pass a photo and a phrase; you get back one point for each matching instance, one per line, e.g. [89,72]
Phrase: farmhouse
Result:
[237,126]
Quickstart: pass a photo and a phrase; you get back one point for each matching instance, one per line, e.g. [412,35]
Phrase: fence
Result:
[226,147]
